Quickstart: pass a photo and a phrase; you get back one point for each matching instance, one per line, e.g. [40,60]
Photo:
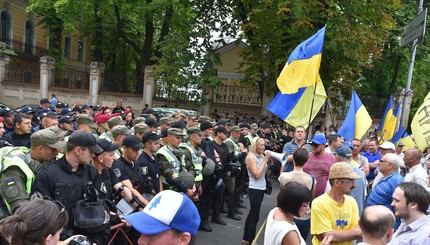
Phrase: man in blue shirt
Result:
[373,156]
[292,146]
[382,193]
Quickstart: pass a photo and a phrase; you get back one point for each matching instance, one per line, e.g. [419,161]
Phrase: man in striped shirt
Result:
[382,193]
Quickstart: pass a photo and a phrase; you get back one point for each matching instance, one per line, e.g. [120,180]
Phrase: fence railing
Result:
[72,79]
[23,73]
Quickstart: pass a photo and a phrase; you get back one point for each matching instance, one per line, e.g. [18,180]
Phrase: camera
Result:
[80,240]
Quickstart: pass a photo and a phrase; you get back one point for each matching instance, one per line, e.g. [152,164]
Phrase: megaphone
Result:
[282,157]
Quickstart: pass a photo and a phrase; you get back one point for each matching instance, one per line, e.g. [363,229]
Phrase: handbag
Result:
[254,242]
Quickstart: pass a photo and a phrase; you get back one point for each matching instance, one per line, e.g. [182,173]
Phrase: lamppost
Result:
[149,86]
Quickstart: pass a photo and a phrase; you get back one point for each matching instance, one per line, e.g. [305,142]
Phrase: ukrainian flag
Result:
[357,120]
[302,67]
[388,122]
[295,108]
[403,136]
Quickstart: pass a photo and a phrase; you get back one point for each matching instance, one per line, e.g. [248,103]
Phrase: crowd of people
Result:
[107,167]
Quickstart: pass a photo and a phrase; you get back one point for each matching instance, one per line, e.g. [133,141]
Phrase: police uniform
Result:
[150,170]
[17,176]
[125,170]
[192,156]
[60,183]
[172,164]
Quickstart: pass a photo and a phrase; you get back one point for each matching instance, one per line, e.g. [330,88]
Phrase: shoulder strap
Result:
[313,182]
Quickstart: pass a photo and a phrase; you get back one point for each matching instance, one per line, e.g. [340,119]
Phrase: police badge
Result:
[144,170]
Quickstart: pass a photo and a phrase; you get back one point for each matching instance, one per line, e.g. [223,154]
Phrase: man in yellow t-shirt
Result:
[335,213]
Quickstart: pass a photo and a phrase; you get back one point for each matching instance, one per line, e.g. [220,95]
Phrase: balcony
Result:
[25,50]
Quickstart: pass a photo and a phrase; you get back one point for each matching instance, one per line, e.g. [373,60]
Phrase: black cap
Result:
[221,123]
[85,139]
[150,136]
[107,146]
[59,104]
[65,119]
[221,129]
[244,125]
[265,125]
[177,124]
[149,111]
[77,108]
[132,141]
[6,112]
[205,125]
[151,122]
[44,101]
[164,133]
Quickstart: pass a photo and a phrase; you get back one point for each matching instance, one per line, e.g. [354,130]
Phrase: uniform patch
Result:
[144,170]
[10,182]
[117,172]
[12,191]
[103,188]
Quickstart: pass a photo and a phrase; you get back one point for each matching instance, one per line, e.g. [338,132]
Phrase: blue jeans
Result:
[255,199]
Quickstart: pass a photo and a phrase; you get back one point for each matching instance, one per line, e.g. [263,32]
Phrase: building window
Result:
[67,47]
[5,27]
[81,51]
[29,37]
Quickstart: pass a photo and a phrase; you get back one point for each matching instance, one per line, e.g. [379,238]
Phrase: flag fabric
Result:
[389,121]
[357,120]
[403,136]
[295,109]
[302,67]
[421,125]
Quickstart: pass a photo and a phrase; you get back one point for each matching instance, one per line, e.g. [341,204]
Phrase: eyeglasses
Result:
[306,205]
[383,160]
[349,181]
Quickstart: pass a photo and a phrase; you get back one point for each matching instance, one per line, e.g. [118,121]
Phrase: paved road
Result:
[232,233]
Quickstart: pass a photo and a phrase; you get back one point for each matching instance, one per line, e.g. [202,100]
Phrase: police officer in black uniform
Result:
[149,161]
[66,179]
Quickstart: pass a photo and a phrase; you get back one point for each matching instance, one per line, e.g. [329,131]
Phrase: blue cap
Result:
[343,151]
[167,210]
[66,111]
[319,139]
[27,109]
[65,119]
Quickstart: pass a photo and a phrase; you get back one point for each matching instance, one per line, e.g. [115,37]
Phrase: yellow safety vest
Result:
[196,160]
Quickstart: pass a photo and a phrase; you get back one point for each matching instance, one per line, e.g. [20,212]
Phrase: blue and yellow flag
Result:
[357,120]
[302,67]
[421,125]
[295,109]
[388,122]
[403,136]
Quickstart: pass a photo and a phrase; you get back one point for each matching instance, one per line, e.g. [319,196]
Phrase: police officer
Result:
[235,184]
[66,179]
[171,164]
[149,161]
[128,171]
[20,166]
[193,155]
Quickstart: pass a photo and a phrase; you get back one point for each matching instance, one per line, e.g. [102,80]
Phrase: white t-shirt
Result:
[276,230]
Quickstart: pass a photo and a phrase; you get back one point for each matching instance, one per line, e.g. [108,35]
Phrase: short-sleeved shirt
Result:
[150,168]
[371,158]
[319,166]
[327,215]
[382,194]
[290,148]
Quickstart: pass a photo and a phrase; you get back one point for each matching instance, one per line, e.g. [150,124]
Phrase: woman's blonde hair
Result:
[253,148]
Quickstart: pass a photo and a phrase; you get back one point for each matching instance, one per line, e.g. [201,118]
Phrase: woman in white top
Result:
[257,165]
[293,200]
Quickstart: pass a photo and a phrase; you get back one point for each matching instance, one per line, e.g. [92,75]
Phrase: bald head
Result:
[376,221]
[412,157]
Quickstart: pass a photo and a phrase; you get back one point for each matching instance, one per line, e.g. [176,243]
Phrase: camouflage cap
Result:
[175,131]
[85,119]
[235,129]
[114,121]
[254,126]
[204,118]
[194,130]
[165,120]
[139,120]
[47,137]
[140,128]
[120,130]
[60,133]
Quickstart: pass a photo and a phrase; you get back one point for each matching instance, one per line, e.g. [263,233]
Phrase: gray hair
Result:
[394,159]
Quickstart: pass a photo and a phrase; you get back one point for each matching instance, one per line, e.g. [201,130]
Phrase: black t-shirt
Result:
[223,152]
[104,183]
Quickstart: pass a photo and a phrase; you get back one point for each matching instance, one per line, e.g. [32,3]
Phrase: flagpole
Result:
[312,108]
